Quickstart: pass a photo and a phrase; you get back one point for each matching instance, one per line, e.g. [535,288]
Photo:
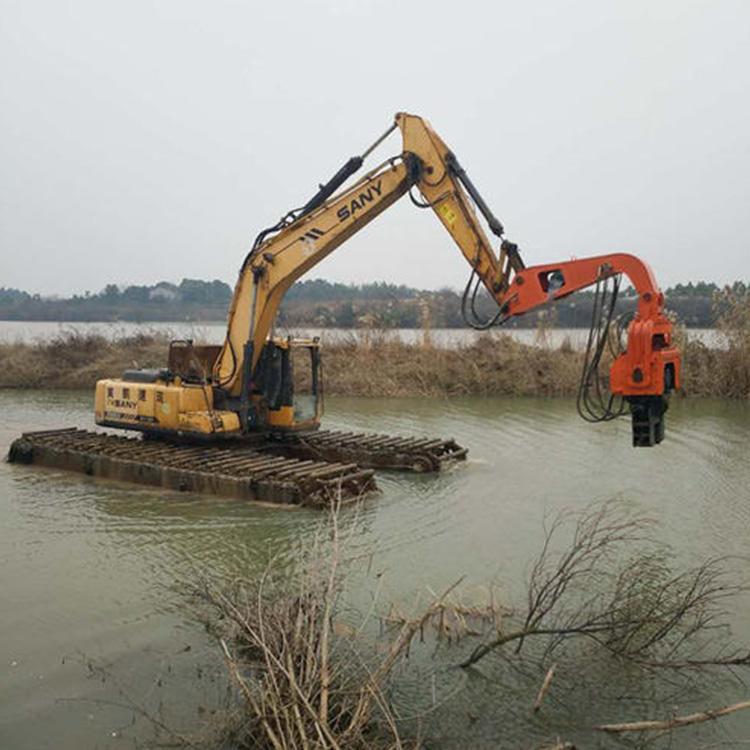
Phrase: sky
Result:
[147,141]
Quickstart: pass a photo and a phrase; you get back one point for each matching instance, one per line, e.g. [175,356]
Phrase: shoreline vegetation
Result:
[321,303]
[373,364]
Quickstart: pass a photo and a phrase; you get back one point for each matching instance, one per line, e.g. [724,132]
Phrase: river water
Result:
[92,617]
[214,333]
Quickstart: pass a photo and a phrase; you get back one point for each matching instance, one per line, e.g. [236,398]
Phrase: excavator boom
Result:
[286,251]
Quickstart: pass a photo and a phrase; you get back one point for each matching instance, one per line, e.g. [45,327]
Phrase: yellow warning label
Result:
[448,214]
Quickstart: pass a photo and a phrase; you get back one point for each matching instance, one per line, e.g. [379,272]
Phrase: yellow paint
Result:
[157,405]
[209,421]
[283,417]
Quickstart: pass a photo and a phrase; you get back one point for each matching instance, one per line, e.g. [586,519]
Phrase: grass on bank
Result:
[77,360]
[376,364]
[361,366]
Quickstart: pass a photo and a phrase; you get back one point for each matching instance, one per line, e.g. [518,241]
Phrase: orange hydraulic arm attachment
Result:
[644,370]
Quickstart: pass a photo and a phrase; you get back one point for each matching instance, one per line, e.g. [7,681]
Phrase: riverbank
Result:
[371,365]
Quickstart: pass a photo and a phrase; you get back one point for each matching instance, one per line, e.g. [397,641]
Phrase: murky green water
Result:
[87,568]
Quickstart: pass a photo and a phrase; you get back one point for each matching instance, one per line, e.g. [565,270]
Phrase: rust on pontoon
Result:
[232,471]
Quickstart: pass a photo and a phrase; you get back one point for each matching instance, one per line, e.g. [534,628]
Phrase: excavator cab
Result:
[287,385]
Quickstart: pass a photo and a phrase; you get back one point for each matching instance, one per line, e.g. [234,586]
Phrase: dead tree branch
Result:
[546,684]
[673,723]
[613,584]
[301,684]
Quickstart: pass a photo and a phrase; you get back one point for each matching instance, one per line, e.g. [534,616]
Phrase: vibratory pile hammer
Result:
[231,419]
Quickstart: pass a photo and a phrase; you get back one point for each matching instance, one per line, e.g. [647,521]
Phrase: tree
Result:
[345,316]
[613,585]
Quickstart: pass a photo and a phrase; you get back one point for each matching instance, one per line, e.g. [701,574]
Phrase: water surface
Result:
[88,568]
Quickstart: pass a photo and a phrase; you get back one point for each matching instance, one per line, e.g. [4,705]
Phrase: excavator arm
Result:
[303,239]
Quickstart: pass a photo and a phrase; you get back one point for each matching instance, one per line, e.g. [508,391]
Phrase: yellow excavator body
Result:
[161,405]
[247,385]
[180,400]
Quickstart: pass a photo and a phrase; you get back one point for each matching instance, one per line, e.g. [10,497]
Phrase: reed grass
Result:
[77,360]
[304,679]
[374,364]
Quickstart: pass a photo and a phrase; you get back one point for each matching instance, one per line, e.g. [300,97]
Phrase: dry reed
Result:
[373,364]
[304,678]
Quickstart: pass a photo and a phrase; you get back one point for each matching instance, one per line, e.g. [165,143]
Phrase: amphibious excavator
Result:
[228,419]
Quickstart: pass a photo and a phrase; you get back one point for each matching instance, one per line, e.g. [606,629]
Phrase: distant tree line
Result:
[322,303]
[191,299]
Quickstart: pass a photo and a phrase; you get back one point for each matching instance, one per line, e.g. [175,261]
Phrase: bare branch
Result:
[546,684]
[613,585]
[673,723]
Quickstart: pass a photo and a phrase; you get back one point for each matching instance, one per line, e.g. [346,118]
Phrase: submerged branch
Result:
[673,723]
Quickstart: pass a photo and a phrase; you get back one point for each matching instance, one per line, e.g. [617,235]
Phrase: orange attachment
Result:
[649,367]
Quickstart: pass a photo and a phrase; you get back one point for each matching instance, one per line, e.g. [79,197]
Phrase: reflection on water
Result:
[89,568]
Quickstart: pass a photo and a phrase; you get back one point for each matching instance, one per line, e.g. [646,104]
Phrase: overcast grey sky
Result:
[143,141]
